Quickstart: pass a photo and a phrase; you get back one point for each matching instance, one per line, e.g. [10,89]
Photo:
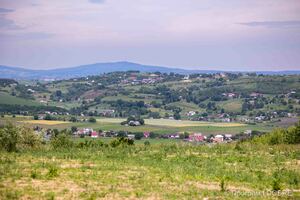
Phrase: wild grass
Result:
[155,171]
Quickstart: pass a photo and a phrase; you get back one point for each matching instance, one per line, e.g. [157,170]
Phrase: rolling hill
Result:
[100,68]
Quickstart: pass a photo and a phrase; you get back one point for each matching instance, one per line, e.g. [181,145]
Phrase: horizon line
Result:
[147,65]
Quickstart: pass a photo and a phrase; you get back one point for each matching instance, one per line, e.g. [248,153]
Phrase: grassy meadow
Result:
[157,171]
[160,126]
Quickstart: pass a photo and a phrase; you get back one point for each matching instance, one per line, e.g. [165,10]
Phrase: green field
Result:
[177,171]
[12,100]
[160,126]
[232,105]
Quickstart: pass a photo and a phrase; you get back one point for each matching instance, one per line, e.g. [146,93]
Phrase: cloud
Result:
[273,24]
[97,1]
[8,24]
[5,10]
[29,35]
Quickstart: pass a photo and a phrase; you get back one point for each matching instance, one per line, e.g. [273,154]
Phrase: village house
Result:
[255,95]
[228,137]
[130,136]
[230,95]
[94,134]
[196,137]
[174,136]
[218,139]
[146,134]
[84,132]
[248,132]
[191,113]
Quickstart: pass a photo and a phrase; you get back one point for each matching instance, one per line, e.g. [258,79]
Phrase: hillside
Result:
[263,101]
[100,68]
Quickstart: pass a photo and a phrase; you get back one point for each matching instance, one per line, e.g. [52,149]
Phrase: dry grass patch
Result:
[45,122]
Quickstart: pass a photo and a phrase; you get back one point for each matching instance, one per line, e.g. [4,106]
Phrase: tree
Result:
[154,115]
[48,117]
[177,116]
[153,135]
[92,120]
[121,134]
[142,121]
[35,117]
[61,141]
[73,119]
[138,135]
[74,129]
[14,138]
[58,93]
[9,137]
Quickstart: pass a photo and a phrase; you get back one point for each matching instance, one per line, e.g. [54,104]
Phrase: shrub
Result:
[138,135]
[280,136]
[90,144]
[222,185]
[28,139]
[34,174]
[92,120]
[153,135]
[35,117]
[147,143]
[13,138]
[9,138]
[73,119]
[73,129]
[52,172]
[48,117]
[276,186]
[61,141]
[121,142]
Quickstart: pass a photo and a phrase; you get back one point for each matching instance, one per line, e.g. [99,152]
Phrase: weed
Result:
[52,171]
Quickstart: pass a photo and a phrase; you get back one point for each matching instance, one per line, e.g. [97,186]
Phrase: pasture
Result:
[159,126]
[173,123]
[173,171]
[12,100]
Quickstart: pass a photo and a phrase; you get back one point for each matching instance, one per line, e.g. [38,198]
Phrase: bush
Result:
[92,120]
[91,144]
[276,186]
[138,135]
[9,138]
[61,141]
[121,142]
[280,136]
[73,119]
[29,139]
[13,138]
[35,117]
[147,143]
[52,172]
[222,185]
[153,135]
[48,117]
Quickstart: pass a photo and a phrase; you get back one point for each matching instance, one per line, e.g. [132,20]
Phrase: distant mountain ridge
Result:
[100,68]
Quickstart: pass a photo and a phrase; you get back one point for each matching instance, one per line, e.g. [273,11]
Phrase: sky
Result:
[239,35]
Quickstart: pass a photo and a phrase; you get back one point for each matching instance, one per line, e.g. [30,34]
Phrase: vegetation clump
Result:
[61,140]
[133,121]
[122,141]
[13,138]
[280,136]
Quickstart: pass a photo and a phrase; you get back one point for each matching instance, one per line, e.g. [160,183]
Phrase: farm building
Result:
[196,137]
[218,138]
[94,134]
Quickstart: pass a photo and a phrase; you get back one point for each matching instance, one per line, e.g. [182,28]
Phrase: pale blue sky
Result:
[195,34]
